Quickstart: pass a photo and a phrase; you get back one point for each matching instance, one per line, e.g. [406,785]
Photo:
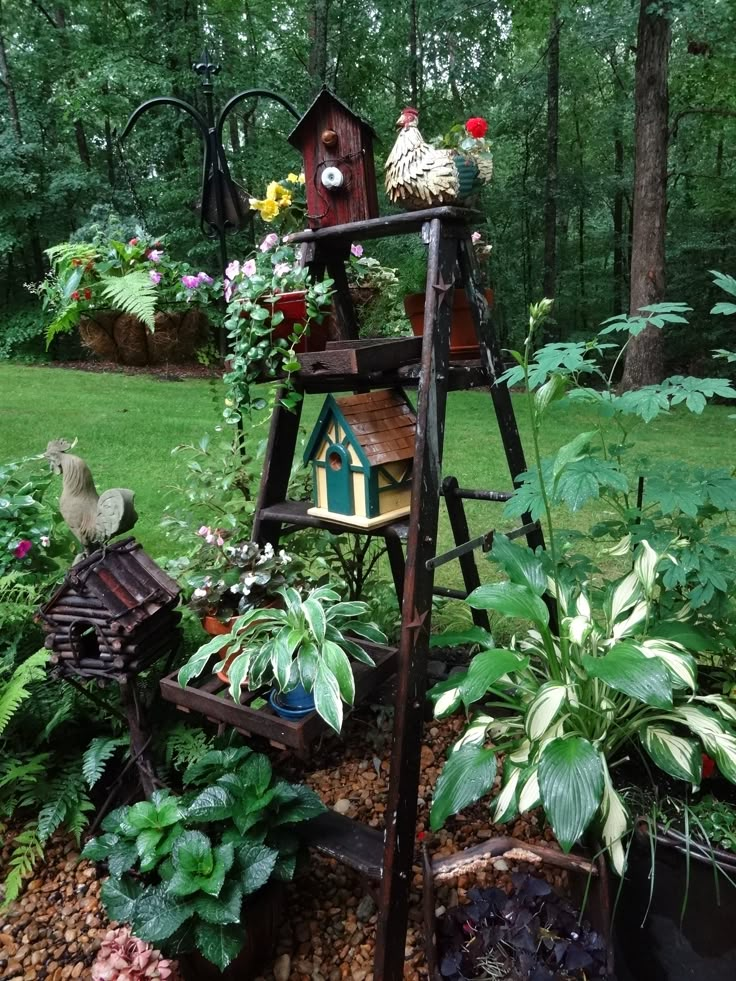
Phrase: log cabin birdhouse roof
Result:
[114,612]
[382,425]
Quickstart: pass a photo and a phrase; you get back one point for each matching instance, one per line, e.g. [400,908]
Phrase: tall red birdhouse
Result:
[340,177]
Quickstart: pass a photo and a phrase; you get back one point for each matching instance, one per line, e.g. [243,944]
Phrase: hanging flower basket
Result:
[463,340]
[124,339]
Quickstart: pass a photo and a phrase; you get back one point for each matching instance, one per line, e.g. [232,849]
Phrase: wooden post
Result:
[139,740]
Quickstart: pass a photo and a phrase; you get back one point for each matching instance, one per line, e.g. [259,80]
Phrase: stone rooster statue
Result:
[421,176]
[93,519]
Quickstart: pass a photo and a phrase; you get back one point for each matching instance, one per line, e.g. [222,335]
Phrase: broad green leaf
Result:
[571,451]
[220,943]
[505,806]
[338,663]
[681,666]
[458,638]
[519,563]
[615,823]
[223,909]
[257,862]
[529,793]
[157,915]
[257,771]
[119,897]
[571,784]
[98,849]
[626,669]
[122,858]
[192,853]
[485,670]
[307,661]
[543,709]
[468,774]
[327,697]
[315,616]
[723,705]
[554,388]
[212,804]
[447,695]
[692,637]
[511,600]
[676,755]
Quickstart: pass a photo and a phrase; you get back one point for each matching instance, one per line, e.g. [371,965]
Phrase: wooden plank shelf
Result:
[351,842]
[462,375]
[209,696]
[293,515]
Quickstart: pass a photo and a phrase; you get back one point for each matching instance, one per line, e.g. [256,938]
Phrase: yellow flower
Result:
[295,178]
[268,209]
[255,204]
[301,178]
[277,192]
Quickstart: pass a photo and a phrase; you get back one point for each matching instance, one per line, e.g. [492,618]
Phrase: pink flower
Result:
[220,540]
[269,242]
[281,268]
[249,268]
[154,276]
[475,237]
[202,277]
[155,255]
[203,531]
[356,249]
[191,282]
[22,548]
[228,289]
[233,269]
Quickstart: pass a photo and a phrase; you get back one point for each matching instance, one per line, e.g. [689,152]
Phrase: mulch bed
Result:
[54,930]
[165,372]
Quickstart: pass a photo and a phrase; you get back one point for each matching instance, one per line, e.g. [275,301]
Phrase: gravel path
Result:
[54,930]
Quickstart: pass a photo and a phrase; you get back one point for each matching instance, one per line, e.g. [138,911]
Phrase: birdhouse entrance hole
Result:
[334,460]
[84,640]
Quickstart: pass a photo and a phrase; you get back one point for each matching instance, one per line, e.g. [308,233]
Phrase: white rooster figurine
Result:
[421,176]
[93,519]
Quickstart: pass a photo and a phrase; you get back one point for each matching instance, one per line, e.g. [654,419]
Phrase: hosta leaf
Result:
[456,638]
[543,708]
[220,943]
[626,669]
[447,695]
[724,706]
[571,784]
[690,636]
[327,697]
[485,670]
[316,619]
[676,755]
[468,774]
[529,793]
[338,663]
[511,600]
[520,564]
[681,666]
[505,806]
[615,822]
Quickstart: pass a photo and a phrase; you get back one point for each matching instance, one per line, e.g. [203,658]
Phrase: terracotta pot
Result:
[125,339]
[463,340]
[294,309]
[216,627]
[262,916]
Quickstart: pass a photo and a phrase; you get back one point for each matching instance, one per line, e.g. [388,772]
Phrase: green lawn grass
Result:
[127,426]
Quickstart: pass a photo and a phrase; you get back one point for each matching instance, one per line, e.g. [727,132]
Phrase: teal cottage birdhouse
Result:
[361,451]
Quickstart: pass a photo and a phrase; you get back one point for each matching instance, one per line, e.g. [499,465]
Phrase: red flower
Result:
[88,294]
[76,262]
[75,295]
[133,241]
[477,127]
[22,548]
[709,767]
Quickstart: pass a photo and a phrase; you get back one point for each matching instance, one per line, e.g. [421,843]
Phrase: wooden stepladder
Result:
[411,543]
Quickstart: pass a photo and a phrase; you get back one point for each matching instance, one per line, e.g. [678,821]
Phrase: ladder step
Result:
[354,844]
[294,514]
[449,593]
[478,495]
[462,375]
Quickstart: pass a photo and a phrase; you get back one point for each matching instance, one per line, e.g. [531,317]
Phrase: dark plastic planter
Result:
[294,704]
[659,947]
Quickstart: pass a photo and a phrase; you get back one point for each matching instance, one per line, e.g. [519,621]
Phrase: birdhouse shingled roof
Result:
[383,424]
[324,95]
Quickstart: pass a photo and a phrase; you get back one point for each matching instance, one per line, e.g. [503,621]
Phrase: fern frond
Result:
[96,756]
[63,324]
[27,851]
[77,820]
[133,293]
[66,794]
[186,745]
[21,772]
[15,692]
[70,250]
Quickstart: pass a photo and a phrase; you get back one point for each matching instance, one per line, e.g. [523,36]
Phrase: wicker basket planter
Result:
[124,339]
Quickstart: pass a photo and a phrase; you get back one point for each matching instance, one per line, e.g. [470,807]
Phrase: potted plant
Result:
[197,874]
[303,651]
[130,300]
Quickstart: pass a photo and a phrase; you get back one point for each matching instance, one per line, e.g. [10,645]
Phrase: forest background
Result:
[556,81]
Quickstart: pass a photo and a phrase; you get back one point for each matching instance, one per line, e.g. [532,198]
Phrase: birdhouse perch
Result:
[340,176]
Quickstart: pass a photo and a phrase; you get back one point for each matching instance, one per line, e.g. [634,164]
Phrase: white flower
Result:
[284,557]
[199,592]
[45,541]
[268,550]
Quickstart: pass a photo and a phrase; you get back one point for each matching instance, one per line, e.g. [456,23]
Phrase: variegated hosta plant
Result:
[565,706]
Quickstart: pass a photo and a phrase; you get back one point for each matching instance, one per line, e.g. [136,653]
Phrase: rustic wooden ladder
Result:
[447,232]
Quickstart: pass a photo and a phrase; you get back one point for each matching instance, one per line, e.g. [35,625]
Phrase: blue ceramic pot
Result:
[294,704]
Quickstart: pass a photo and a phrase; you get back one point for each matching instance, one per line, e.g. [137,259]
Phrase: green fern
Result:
[66,799]
[27,852]
[133,293]
[15,691]
[96,756]
[63,324]
[186,745]
[66,251]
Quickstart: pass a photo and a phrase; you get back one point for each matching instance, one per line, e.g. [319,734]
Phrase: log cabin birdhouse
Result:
[113,615]
[340,177]
[361,451]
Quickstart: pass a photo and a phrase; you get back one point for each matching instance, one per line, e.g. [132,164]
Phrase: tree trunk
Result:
[413,55]
[82,146]
[318,20]
[7,82]
[549,280]
[645,353]
[618,224]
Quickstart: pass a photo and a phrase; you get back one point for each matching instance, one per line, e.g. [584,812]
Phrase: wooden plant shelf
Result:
[209,696]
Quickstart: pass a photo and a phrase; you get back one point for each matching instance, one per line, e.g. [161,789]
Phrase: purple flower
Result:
[191,282]
[203,278]
[233,269]
[203,531]
[269,242]
[155,277]
[155,255]
[356,249]
[281,269]
[249,268]
[22,548]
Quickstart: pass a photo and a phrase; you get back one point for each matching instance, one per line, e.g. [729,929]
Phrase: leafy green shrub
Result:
[22,337]
[182,866]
